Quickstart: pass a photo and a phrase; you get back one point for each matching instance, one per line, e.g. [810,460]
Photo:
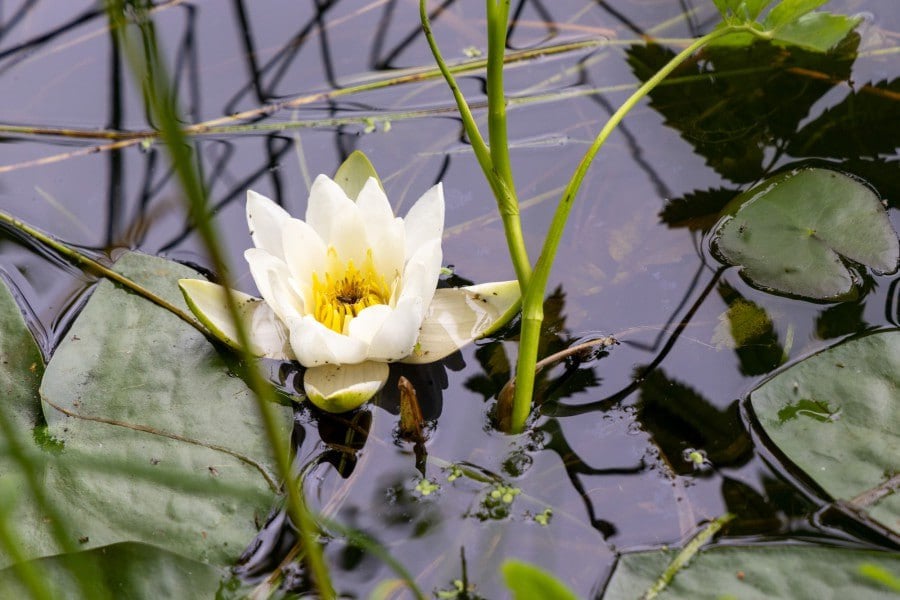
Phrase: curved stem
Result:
[532,303]
[502,189]
[149,71]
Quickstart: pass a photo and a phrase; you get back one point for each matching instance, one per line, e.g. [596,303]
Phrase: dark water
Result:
[607,453]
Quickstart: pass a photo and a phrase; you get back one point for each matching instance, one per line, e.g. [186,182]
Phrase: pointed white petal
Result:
[304,252]
[421,274]
[272,278]
[327,205]
[339,388]
[425,220]
[396,337]
[315,345]
[458,316]
[265,219]
[348,235]
[374,206]
[268,335]
[388,249]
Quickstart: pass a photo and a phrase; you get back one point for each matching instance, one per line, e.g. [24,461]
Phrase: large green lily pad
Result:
[789,233]
[21,368]
[134,385]
[757,572]
[128,570]
[836,416]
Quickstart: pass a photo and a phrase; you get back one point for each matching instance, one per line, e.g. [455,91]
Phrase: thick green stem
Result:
[150,73]
[502,189]
[533,299]
[497,16]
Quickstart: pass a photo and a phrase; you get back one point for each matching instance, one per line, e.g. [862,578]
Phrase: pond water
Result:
[608,452]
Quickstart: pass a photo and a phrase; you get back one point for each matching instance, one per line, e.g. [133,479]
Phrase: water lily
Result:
[350,289]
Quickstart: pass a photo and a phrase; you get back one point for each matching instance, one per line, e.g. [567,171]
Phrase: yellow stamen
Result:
[339,298]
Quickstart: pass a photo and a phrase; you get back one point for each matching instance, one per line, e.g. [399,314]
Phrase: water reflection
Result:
[606,455]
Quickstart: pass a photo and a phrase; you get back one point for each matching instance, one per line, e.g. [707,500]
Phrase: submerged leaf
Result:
[835,416]
[789,233]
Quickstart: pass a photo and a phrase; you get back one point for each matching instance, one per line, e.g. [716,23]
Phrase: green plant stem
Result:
[509,210]
[150,74]
[533,300]
[497,17]
[685,555]
[90,264]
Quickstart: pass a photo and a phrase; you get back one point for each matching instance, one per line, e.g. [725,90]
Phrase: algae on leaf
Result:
[836,416]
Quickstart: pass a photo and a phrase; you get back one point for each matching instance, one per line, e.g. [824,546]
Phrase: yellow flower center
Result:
[343,294]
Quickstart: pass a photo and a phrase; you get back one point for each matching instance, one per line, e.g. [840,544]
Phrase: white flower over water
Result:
[350,289]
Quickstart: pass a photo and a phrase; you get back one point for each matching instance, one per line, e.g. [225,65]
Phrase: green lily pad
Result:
[21,368]
[790,232]
[836,416]
[797,572]
[134,385]
[128,570]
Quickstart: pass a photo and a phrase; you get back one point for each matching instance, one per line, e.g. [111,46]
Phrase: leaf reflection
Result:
[730,113]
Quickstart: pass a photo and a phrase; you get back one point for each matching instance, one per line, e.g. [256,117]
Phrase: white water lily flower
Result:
[351,289]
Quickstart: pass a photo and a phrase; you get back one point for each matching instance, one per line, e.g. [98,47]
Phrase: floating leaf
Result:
[836,416]
[21,367]
[128,570]
[133,384]
[798,572]
[788,233]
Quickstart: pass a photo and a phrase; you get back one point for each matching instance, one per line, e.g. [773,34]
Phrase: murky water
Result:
[607,454]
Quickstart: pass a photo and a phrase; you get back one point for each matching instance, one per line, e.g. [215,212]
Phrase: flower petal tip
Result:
[342,388]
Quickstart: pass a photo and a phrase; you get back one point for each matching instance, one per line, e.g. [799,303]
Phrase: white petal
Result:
[348,236]
[425,220]
[339,388]
[421,274]
[272,280]
[315,345]
[374,206]
[388,249]
[268,335]
[459,315]
[368,322]
[265,219]
[304,252]
[327,205]
[397,335]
